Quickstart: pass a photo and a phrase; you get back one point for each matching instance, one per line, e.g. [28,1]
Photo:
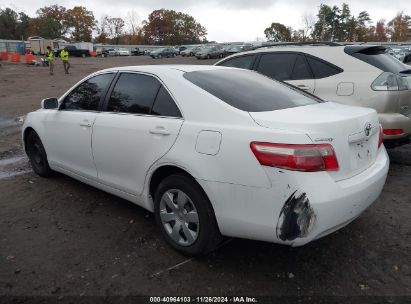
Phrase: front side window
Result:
[87,95]
[277,65]
[242,62]
[133,93]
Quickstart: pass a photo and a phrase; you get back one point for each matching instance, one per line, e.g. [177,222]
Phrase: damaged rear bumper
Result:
[299,207]
[332,205]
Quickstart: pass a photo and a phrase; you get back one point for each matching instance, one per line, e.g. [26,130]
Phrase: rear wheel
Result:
[37,155]
[185,215]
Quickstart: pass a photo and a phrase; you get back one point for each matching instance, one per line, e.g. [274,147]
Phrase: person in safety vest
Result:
[50,58]
[64,54]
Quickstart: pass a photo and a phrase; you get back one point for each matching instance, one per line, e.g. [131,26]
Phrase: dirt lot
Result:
[59,237]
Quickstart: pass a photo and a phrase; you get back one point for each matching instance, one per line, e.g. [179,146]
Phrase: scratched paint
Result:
[296,218]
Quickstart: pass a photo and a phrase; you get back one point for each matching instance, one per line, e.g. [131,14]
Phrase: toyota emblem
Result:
[367,129]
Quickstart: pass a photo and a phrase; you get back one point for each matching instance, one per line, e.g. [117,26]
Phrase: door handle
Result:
[160,131]
[303,87]
[86,124]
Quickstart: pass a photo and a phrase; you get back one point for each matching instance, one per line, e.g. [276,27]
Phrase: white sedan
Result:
[213,151]
[122,52]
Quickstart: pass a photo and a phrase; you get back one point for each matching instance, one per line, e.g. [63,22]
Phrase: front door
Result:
[68,131]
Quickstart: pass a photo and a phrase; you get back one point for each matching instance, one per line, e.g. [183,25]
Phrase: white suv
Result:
[359,75]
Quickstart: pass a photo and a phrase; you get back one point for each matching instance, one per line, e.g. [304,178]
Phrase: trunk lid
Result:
[352,131]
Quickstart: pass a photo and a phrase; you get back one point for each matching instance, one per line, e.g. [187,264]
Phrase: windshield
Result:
[248,90]
[235,48]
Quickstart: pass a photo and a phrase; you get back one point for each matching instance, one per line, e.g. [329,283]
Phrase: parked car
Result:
[179,49]
[75,52]
[250,158]
[109,52]
[163,53]
[234,49]
[137,52]
[123,52]
[361,75]
[190,51]
[209,52]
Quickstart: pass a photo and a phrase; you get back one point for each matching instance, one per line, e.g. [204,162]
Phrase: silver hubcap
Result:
[179,217]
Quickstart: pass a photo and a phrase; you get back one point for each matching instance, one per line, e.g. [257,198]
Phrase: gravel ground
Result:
[62,238]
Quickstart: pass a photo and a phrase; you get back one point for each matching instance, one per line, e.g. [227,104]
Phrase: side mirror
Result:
[49,103]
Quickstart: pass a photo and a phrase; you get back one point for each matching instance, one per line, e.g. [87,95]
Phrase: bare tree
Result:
[308,21]
[114,28]
[133,22]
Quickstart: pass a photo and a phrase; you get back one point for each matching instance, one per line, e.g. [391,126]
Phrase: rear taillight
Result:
[309,158]
[393,131]
[380,136]
[388,81]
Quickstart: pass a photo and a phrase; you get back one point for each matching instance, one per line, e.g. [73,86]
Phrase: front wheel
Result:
[37,155]
[185,216]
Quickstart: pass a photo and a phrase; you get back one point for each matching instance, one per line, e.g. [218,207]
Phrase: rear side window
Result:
[301,70]
[322,69]
[277,65]
[242,62]
[378,58]
[133,93]
[164,105]
[87,95]
[248,91]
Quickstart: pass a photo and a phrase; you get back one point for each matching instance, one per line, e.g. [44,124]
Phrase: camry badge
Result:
[367,129]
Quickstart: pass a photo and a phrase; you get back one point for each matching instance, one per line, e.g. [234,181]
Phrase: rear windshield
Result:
[380,59]
[249,91]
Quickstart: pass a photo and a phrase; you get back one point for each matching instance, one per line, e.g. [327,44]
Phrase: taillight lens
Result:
[388,81]
[380,136]
[393,131]
[309,158]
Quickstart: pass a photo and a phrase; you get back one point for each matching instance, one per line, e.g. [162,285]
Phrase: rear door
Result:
[325,85]
[140,124]
[289,67]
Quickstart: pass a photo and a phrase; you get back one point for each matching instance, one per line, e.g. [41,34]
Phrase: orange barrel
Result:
[4,56]
[15,57]
[29,58]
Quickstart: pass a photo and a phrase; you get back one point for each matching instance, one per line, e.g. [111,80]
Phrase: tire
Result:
[37,155]
[191,235]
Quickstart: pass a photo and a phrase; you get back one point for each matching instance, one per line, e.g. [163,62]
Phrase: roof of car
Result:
[164,68]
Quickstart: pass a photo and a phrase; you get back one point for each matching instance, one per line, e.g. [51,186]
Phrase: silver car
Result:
[362,75]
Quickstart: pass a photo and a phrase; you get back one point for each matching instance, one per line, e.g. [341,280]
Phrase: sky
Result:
[225,20]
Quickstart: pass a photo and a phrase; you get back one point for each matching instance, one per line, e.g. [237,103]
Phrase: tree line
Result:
[333,23]
[169,27]
[163,27]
